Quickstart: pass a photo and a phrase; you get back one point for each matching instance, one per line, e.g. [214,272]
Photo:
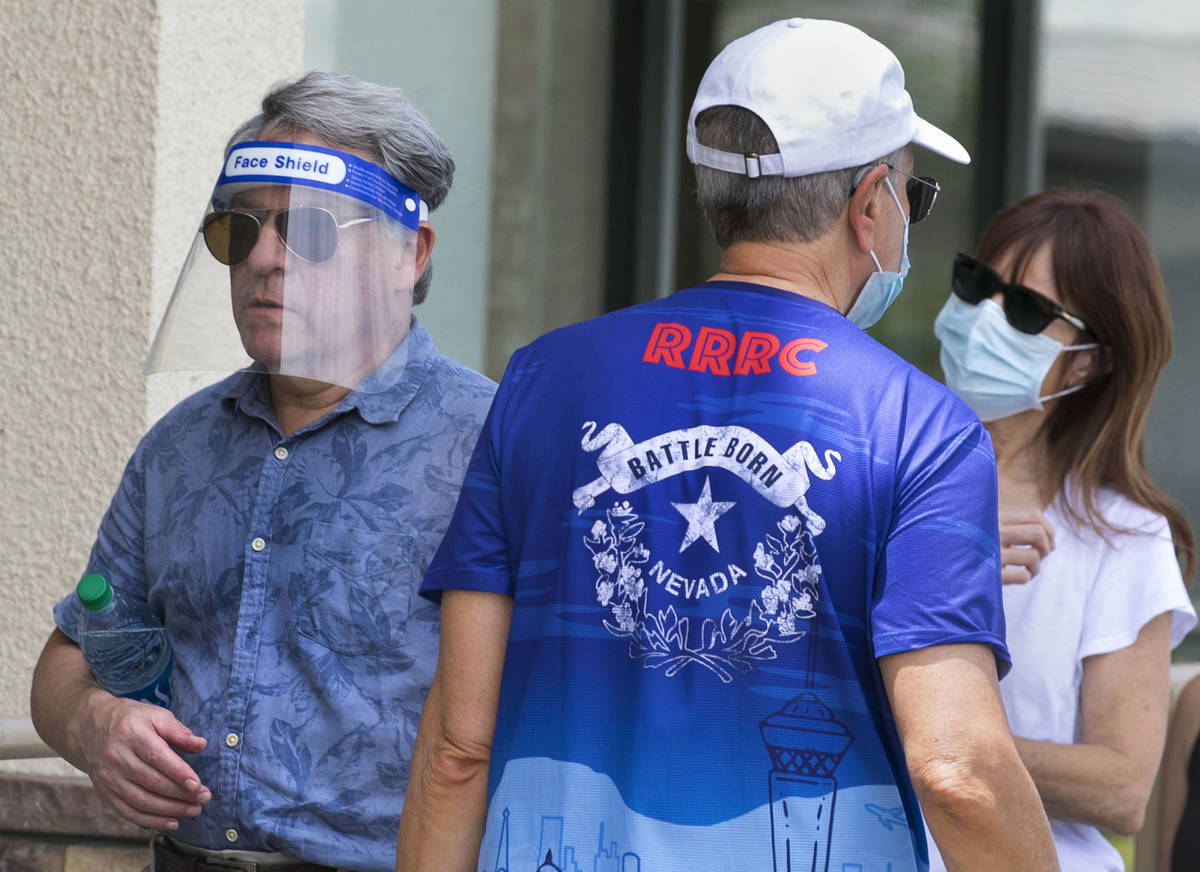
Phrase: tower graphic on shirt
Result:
[806,743]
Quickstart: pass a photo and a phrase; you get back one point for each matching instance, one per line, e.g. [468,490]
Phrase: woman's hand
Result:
[1026,537]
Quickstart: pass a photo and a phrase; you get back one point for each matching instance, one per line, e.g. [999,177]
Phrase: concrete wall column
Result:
[115,114]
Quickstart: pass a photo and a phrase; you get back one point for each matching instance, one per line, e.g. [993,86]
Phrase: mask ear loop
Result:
[1073,388]
[887,181]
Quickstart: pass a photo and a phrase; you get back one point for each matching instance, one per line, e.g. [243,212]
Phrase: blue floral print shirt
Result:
[286,572]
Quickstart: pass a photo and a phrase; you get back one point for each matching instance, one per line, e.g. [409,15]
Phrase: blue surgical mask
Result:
[882,286]
[996,369]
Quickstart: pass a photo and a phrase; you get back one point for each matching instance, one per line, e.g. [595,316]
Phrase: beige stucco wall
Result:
[114,115]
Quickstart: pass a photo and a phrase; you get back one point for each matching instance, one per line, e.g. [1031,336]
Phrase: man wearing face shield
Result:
[736,603]
[280,520]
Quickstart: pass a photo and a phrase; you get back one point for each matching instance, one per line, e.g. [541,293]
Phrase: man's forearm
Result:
[990,818]
[979,802]
[446,804]
[62,687]
[444,809]
[128,748]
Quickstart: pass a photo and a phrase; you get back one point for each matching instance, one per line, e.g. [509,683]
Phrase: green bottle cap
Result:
[94,592]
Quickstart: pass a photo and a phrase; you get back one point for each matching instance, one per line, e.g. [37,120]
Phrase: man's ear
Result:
[425,239]
[863,209]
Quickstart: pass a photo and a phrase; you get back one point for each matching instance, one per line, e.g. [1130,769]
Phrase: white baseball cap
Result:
[832,96]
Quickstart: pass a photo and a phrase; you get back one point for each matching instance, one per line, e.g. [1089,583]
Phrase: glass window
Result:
[443,56]
[1118,85]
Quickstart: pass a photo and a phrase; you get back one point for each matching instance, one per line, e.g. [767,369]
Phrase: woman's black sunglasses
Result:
[309,232]
[1025,309]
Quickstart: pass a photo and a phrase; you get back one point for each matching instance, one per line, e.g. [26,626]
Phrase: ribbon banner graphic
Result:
[626,466]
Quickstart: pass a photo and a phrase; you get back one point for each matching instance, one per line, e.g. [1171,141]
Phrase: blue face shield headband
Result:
[311,233]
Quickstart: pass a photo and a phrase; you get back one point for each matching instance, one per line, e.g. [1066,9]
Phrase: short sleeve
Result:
[1137,579]
[118,552]
[939,579]
[474,552]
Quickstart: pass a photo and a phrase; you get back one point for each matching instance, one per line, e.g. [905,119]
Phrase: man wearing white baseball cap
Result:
[722,589]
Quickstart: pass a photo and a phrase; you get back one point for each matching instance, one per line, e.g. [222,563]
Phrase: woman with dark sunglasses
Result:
[1055,334]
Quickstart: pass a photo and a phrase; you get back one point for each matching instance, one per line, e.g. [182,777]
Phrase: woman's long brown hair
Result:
[1106,274]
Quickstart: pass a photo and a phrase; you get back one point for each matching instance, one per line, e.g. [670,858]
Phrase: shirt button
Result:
[231,739]
[281,453]
[258,543]
[231,835]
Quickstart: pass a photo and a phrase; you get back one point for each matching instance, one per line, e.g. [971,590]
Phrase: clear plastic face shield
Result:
[303,266]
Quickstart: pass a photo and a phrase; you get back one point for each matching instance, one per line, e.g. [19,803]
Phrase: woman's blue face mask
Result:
[997,370]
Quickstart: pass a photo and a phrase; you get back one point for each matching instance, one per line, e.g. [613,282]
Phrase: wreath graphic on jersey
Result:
[785,560]
[664,639]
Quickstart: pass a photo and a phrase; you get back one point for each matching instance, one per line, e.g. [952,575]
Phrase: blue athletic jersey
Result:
[713,513]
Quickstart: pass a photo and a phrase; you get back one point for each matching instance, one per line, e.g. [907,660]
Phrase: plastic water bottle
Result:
[124,643]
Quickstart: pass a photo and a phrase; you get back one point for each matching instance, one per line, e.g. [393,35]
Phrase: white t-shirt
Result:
[1089,597]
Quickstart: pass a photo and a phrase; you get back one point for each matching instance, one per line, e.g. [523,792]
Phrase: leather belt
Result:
[169,858]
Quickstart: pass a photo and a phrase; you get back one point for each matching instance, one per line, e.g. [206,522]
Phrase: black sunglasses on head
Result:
[309,232]
[1025,309]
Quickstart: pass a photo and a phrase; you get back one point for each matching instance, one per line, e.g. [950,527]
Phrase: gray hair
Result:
[375,120]
[768,208]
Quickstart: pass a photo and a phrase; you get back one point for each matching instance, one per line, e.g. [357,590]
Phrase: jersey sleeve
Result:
[474,554]
[1137,579]
[118,552]
[938,579]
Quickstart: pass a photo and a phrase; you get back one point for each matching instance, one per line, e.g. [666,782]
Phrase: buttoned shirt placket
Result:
[247,647]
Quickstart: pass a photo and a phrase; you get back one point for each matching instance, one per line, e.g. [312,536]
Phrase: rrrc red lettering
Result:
[754,352]
[788,356]
[714,347]
[666,344]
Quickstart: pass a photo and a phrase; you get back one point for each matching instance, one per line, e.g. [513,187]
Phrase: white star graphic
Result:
[701,517]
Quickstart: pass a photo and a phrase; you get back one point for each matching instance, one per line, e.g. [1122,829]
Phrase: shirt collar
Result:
[379,399]
[387,391]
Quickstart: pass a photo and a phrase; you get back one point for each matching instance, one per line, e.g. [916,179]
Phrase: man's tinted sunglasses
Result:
[309,232]
[920,190]
[1025,309]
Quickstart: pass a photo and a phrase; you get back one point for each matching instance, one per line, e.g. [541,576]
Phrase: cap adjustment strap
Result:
[751,165]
